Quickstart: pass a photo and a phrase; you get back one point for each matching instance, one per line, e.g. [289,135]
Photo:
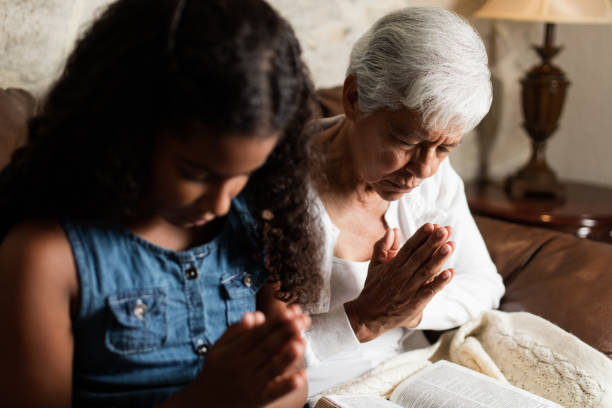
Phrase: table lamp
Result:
[544,87]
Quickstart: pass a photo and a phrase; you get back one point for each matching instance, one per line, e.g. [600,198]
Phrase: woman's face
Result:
[195,178]
[394,153]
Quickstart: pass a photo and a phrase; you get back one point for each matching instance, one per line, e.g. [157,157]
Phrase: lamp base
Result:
[543,95]
[535,181]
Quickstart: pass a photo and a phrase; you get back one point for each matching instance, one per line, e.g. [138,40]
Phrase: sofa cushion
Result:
[564,279]
[16,107]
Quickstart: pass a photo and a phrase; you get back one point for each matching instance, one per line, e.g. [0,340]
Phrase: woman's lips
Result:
[400,187]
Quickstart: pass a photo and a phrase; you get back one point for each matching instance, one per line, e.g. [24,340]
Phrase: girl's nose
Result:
[220,199]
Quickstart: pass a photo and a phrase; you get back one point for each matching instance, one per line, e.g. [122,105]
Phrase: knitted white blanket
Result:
[520,348]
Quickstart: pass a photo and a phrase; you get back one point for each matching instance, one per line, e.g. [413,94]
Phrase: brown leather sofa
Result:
[554,275]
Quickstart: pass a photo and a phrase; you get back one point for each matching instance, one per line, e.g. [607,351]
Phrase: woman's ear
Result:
[350,97]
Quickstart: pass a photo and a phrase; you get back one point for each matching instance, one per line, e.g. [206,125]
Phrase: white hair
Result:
[425,59]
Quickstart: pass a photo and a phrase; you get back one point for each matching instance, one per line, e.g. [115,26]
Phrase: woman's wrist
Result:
[363,331]
[414,322]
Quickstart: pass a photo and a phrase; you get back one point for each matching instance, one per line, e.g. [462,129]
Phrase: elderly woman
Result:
[418,81]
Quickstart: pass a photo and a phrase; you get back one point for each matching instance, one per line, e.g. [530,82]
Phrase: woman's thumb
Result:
[380,253]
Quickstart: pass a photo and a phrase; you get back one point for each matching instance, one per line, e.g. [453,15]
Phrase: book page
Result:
[448,385]
[360,401]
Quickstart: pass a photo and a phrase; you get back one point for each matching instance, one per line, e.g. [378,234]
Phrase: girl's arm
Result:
[38,287]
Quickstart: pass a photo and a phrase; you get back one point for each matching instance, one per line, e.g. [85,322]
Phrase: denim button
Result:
[140,310]
[192,273]
[137,321]
[202,349]
[247,280]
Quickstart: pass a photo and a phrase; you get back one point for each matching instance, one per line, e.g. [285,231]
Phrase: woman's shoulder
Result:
[38,250]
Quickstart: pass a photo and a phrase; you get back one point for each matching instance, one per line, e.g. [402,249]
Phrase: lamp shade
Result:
[549,11]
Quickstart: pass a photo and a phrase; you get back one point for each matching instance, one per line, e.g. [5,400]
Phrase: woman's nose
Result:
[424,163]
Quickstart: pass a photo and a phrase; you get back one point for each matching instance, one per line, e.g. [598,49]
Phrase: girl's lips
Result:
[199,221]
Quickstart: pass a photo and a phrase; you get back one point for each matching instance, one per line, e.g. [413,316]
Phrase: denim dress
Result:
[148,315]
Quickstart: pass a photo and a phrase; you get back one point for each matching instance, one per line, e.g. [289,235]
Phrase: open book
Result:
[444,385]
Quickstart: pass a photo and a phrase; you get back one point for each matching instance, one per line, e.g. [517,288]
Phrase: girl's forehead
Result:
[225,154]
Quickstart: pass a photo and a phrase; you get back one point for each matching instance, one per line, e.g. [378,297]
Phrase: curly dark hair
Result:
[146,66]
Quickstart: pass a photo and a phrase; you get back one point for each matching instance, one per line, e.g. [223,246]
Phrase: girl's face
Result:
[195,178]
[394,153]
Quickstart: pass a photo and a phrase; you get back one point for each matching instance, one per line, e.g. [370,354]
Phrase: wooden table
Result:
[586,211]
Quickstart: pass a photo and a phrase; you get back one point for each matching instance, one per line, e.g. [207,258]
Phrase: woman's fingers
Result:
[426,292]
[413,243]
[395,247]
[424,296]
[380,253]
[412,278]
[449,229]
[425,251]
[432,266]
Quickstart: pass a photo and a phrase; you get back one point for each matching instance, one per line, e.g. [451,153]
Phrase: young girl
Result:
[163,184]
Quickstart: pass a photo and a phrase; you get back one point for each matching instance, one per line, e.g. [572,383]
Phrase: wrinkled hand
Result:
[256,361]
[401,282]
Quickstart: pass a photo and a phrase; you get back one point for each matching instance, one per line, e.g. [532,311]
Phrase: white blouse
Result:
[333,354]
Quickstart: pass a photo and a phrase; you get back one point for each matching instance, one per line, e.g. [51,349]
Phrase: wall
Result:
[35,38]
[36,35]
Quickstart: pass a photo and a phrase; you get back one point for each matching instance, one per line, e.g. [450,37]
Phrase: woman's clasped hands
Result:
[401,282]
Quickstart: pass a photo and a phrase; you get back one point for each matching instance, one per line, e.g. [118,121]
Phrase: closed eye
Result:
[199,176]
[447,148]
[403,142]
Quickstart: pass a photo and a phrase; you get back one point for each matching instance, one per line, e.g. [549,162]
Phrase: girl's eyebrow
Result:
[200,167]
[192,164]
